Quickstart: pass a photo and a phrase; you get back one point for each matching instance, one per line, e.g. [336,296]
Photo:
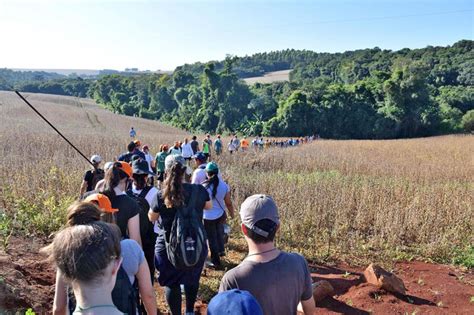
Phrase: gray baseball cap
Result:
[172,160]
[256,208]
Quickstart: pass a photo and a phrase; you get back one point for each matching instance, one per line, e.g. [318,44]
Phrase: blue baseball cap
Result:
[200,156]
[237,302]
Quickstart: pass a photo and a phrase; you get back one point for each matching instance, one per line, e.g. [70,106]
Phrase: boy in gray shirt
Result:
[278,280]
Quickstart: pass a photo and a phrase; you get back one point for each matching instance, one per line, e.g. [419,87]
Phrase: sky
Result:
[160,35]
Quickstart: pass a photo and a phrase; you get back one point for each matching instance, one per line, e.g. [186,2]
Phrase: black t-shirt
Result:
[128,208]
[194,146]
[89,178]
[167,214]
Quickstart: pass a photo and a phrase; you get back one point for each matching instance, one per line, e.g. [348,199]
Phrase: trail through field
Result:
[27,281]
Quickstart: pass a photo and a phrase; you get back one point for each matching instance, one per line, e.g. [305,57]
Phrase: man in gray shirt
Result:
[278,280]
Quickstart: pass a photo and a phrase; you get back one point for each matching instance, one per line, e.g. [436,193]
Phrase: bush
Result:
[467,121]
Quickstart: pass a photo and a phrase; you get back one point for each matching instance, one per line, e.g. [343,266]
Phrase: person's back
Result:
[195,145]
[275,294]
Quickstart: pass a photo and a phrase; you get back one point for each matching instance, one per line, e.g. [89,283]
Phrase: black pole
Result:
[51,125]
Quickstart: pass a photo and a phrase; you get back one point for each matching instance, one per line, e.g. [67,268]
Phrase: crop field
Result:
[354,201]
[269,77]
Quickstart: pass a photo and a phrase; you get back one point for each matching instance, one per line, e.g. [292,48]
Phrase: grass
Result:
[356,201]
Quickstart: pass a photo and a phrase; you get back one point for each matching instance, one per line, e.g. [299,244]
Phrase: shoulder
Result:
[130,246]
[294,259]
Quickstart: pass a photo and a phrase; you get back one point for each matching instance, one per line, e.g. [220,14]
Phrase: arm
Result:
[60,295]
[134,229]
[229,205]
[147,293]
[208,205]
[153,216]
[309,307]
[83,188]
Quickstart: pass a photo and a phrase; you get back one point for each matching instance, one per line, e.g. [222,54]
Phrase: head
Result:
[194,138]
[146,148]
[165,148]
[176,144]
[234,301]
[186,140]
[200,158]
[96,160]
[208,136]
[117,176]
[218,136]
[102,202]
[88,255]
[131,146]
[138,144]
[212,171]
[140,172]
[260,219]
[173,191]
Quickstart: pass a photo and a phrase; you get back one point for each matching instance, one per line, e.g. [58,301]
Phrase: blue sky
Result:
[98,34]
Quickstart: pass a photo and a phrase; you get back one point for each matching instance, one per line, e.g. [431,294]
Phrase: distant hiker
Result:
[95,208]
[199,174]
[137,150]
[89,257]
[92,177]
[116,184]
[234,301]
[195,145]
[244,144]
[176,202]
[144,195]
[160,163]
[176,149]
[236,143]
[215,218]
[278,280]
[149,159]
[207,145]
[231,147]
[218,145]
[187,151]
[133,133]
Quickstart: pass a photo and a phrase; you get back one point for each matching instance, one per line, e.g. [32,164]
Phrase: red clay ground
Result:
[26,280]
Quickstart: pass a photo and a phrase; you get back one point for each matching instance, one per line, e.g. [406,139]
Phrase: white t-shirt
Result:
[149,160]
[218,203]
[187,150]
[199,175]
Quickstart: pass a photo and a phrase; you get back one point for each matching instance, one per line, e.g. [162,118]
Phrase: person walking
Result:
[176,149]
[95,208]
[92,177]
[176,196]
[117,179]
[218,145]
[132,133]
[244,144]
[195,145]
[160,163]
[206,146]
[236,143]
[187,151]
[149,160]
[278,294]
[215,218]
[199,174]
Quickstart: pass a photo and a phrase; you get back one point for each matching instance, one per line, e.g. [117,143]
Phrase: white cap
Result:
[96,159]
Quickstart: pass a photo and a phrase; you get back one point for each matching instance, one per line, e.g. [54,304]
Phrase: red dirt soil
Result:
[27,281]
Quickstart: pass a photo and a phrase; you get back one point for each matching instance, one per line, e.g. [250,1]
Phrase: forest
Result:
[361,94]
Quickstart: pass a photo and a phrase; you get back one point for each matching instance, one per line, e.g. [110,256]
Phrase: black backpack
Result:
[125,294]
[147,233]
[187,239]
[97,175]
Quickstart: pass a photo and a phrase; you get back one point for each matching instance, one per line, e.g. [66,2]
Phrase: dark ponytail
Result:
[173,192]
[112,178]
[214,181]
[140,180]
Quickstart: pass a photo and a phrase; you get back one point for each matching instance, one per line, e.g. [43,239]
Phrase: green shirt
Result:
[160,161]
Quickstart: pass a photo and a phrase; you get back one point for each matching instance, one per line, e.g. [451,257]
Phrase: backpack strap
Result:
[144,192]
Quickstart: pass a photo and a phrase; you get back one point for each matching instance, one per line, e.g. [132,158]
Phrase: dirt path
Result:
[27,281]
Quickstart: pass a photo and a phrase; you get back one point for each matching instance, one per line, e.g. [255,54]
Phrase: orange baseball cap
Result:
[102,201]
[124,166]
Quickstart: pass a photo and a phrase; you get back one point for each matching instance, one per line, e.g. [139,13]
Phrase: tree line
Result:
[362,94]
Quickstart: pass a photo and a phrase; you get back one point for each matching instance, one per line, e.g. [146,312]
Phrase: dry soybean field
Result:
[347,201]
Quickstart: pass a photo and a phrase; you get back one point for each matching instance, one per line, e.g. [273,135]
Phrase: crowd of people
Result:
[143,219]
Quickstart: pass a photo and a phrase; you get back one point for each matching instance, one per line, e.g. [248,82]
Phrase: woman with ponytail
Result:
[215,217]
[117,180]
[174,196]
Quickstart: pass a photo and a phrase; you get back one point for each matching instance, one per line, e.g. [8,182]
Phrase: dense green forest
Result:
[362,94]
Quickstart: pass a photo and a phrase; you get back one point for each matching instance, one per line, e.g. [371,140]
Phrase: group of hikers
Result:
[127,230]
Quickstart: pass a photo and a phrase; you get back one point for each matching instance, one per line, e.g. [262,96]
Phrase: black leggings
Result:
[173,297]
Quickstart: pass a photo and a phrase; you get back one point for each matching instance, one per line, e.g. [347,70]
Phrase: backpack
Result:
[187,239]
[147,233]
[125,294]
[97,175]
